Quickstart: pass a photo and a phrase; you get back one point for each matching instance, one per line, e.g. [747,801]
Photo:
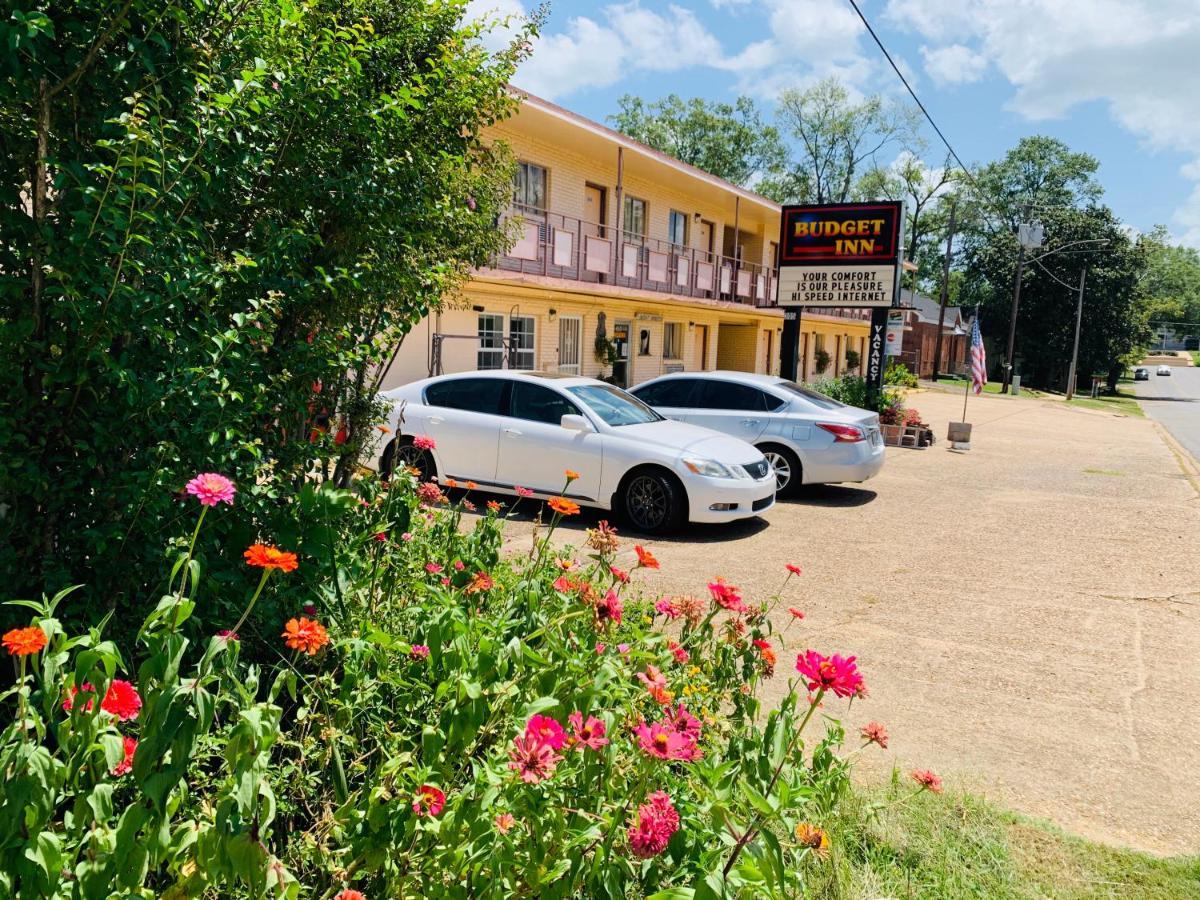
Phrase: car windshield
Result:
[615,406]
[816,398]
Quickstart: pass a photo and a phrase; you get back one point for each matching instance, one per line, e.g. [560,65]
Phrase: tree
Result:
[1039,173]
[218,222]
[1170,290]
[729,141]
[837,140]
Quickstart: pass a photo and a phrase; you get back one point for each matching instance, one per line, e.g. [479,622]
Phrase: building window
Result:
[677,228]
[521,343]
[529,187]
[635,217]
[673,340]
[491,342]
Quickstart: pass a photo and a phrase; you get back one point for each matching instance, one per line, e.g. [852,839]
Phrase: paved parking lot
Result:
[1027,614]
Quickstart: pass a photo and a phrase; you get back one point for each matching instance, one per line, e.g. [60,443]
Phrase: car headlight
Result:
[713,469]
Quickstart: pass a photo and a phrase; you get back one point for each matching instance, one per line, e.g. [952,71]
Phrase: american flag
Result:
[978,359]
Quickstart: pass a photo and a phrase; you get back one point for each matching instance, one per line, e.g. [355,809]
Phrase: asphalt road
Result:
[1174,401]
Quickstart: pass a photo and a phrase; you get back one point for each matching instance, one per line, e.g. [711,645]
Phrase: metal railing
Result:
[558,246]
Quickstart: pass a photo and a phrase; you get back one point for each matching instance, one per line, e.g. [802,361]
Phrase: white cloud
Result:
[1138,57]
[953,64]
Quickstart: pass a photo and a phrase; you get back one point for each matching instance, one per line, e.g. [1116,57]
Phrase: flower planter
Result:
[907,435]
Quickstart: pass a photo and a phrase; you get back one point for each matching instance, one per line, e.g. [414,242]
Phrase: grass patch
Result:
[992,387]
[1121,402]
[1113,472]
[957,845]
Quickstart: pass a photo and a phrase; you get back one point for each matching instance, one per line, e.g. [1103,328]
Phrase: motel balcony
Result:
[552,245]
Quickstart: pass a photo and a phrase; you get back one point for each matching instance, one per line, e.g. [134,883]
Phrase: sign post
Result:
[840,255]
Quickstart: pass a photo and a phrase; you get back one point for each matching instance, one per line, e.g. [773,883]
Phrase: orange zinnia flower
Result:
[563,506]
[571,474]
[265,556]
[306,635]
[645,558]
[24,641]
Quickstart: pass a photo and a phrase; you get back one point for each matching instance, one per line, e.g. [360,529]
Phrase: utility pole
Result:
[1026,233]
[937,342]
[1075,348]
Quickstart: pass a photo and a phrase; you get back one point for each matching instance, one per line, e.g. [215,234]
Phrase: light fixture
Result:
[553,313]
[696,216]
[478,308]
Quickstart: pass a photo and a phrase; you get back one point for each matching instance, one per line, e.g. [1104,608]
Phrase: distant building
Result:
[920,336]
[622,246]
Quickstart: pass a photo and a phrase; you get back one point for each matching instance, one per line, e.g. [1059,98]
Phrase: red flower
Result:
[429,801]
[727,595]
[796,613]
[830,673]
[927,779]
[645,558]
[589,734]
[681,655]
[349,894]
[793,568]
[522,491]
[267,557]
[619,574]
[122,700]
[432,568]
[24,641]
[610,608]
[126,765]
[652,827]
[306,635]
[424,442]
[532,759]
[874,733]
[547,731]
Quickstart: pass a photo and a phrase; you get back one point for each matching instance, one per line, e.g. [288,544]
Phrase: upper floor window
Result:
[677,228]
[635,217]
[529,187]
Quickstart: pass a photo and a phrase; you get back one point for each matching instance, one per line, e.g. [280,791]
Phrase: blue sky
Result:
[1119,79]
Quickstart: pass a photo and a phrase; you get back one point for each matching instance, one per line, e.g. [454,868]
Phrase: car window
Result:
[714,394]
[482,395]
[672,392]
[614,405]
[539,404]
[814,397]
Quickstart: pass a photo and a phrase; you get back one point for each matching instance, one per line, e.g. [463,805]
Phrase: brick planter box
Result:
[917,436]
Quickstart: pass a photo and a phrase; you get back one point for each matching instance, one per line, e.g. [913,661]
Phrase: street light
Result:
[1030,237]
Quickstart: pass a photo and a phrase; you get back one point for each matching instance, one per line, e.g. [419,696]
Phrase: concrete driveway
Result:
[1027,614]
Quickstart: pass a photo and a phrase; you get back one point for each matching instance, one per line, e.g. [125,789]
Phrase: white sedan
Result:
[807,437]
[506,429]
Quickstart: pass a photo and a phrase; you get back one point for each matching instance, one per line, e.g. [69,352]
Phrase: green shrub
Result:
[852,359]
[897,374]
[437,720]
[822,359]
[848,389]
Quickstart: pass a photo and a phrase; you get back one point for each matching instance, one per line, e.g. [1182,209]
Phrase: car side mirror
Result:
[576,423]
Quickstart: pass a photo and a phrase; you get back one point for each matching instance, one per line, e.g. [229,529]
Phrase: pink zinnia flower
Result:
[664,742]
[126,765]
[563,584]
[505,822]
[406,537]
[424,442]
[599,647]
[619,574]
[831,673]
[428,492]
[459,565]
[796,613]
[589,734]
[656,684]
[684,722]
[532,759]
[429,800]
[668,607]
[210,489]
[727,595]
[793,568]
[874,733]
[432,568]
[419,651]
[681,655]
[610,608]
[622,649]
[523,492]
[927,779]
[653,825]
[547,731]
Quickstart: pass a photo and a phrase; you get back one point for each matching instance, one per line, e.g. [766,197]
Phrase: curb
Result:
[1187,463]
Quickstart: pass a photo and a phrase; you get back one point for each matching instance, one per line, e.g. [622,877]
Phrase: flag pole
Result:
[970,379]
[966,394]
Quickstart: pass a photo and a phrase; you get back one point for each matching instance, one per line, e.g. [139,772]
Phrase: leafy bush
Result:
[848,389]
[897,374]
[438,721]
[822,359]
[852,359]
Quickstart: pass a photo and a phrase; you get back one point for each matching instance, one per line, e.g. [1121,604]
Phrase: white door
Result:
[535,450]
[570,344]
[736,409]
[463,418]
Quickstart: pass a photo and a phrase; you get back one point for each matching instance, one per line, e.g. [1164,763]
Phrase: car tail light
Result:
[846,434]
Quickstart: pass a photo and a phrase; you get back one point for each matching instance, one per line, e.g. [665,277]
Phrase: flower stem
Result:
[261,582]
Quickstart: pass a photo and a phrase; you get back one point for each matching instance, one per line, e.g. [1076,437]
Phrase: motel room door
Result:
[570,345]
[701,347]
[620,369]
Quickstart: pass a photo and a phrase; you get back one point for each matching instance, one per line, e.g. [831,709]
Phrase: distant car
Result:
[1164,370]
[506,428]
[807,437]
[1141,374]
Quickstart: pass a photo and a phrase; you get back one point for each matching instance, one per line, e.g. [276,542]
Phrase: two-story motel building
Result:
[673,265]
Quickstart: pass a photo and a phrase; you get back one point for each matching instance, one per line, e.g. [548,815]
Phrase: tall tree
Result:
[217,222]
[836,140]
[730,141]
[1039,173]
[1170,289]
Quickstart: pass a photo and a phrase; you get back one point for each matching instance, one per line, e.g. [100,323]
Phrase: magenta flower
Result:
[609,609]
[522,491]
[831,673]
[210,489]
[653,825]
[664,742]
[589,734]
[684,722]
[668,607]
[532,759]
[678,651]
[419,651]
[432,568]
[429,800]
[726,595]
[547,731]
[424,442]
[226,635]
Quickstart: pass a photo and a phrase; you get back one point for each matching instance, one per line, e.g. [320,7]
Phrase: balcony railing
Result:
[559,246]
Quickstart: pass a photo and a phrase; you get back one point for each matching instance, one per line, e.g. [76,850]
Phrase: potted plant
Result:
[821,358]
[852,359]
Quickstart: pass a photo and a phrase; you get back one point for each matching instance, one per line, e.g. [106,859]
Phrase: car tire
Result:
[784,460]
[403,452]
[652,501]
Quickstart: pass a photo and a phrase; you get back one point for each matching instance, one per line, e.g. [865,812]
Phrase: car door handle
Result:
[436,420]
[512,431]
[749,422]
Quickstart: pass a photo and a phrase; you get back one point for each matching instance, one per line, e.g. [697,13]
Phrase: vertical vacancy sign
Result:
[841,255]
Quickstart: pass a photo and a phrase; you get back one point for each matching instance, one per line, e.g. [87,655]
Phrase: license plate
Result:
[876,437]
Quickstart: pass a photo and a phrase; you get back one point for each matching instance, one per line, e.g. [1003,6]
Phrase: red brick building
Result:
[920,336]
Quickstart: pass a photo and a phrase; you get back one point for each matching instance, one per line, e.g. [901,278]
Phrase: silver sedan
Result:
[807,437]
